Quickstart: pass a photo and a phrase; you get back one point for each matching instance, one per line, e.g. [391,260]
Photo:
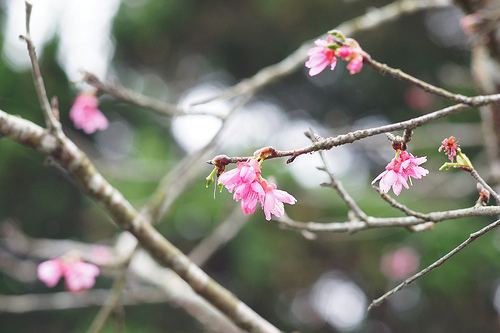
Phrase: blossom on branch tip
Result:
[399,170]
[321,56]
[249,187]
[353,53]
[85,114]
[325,54]
[78,275]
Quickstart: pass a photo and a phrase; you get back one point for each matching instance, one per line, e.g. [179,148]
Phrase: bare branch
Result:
[129,96]
[76,163]
[436,264]
[50,120]
[385,222]
[329,143]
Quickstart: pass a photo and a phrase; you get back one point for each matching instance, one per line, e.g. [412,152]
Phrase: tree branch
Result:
[436,264]
[50,120]
[76,163]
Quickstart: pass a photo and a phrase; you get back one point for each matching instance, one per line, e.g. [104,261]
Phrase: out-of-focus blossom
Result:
[400,264]
[321,56]
[353,53]
[50,272]
[418,100]
[85,114]
[450,147]
[78,275]
[470,23]
[101,255]
[399,170]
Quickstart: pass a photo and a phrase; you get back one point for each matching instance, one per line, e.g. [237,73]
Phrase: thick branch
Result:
[76,163]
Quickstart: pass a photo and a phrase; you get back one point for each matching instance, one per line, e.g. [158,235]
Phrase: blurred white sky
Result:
[83,27]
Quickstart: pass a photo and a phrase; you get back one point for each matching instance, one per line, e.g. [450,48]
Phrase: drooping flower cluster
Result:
[78,275]
[326,52]
[450,147]
[400,170]
[249,187]
[85,114]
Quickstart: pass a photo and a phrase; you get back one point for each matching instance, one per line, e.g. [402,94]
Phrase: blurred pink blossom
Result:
[399,170]
[400,264]
[50,272]
[78,275]
[353,53]
[101,255]
[85,114]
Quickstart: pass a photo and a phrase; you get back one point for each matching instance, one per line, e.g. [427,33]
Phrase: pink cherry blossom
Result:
[50,272]
[85,114]
[78,275]
[240,179]
[353,53]
[399,170]
[273,200]
[321,56]
[249,187]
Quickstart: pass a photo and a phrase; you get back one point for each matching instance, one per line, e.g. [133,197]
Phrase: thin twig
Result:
[111,302]
[476,176]
[386,222]
[219,237]
[399,206]
[329,143]
[296,60]
[425,86]
[337,184]
[436,264]
[129,96]
[51,122]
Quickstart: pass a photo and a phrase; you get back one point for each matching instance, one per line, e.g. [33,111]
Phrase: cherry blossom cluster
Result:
[78,275]
[85,114]
[401,169]
[325,54]
[248,186]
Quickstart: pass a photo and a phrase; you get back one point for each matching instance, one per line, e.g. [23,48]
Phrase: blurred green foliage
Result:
[263,264]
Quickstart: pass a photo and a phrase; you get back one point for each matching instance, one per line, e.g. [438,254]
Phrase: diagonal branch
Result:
[436,264]
[50,120]
[329,143]
[76,163]
[296,60]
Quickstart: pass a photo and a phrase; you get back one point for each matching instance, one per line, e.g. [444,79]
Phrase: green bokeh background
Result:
[263,265]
